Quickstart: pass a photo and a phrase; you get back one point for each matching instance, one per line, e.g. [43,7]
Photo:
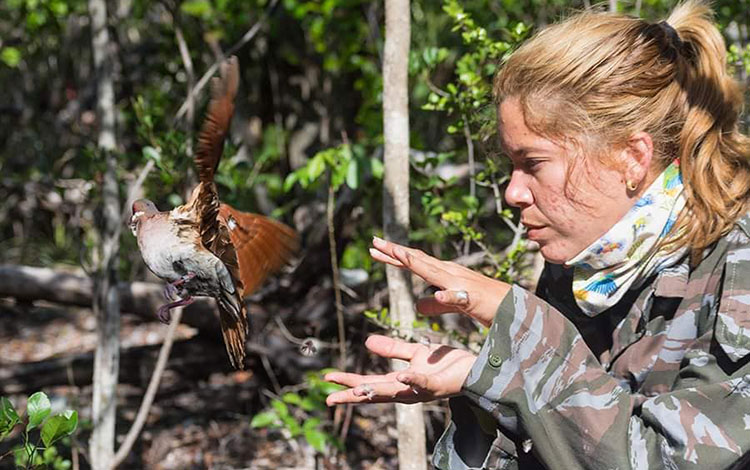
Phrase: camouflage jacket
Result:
[660,380]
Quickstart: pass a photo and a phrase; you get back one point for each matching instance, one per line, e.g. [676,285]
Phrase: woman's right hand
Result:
[462,290]
[433,372]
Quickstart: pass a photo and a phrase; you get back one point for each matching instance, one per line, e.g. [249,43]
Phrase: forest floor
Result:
[201,416]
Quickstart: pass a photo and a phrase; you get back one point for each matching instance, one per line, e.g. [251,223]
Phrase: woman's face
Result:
[563,220]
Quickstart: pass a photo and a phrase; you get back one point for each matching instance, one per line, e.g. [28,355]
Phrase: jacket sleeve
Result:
[538,379]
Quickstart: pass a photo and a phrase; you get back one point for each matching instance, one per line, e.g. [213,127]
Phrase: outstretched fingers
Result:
[392,348]
[425,266]
[374,389]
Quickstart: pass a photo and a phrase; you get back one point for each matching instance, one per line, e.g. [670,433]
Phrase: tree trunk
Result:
[409,418]
[106,298]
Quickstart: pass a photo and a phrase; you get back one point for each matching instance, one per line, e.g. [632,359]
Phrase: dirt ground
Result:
[201,416]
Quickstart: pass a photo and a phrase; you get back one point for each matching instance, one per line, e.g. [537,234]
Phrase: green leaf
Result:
[291,178]
[280,408]
[292,398]
[8,417]
[316,439]
[263,420]
[11,56]
[292,425]
[311,423]
[200,8]
[49,454]
[59,426]
[310,404]
[352,174]
[315,167]
[38,408]
[377,168]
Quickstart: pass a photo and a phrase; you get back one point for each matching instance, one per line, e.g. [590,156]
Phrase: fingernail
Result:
[440,296]
[377,241]
[373,252]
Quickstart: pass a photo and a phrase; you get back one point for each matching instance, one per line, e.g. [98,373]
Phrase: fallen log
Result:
[193,359]
[29,284]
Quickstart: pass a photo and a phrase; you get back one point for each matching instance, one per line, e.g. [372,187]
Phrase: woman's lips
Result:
[534,232]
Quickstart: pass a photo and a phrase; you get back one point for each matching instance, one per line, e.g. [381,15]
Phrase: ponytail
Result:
[714,155]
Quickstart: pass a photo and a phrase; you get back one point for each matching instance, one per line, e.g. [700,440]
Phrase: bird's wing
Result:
[204,201]
[216,124]
[262,245]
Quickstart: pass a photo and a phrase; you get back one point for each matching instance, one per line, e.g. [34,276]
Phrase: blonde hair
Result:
[597,78]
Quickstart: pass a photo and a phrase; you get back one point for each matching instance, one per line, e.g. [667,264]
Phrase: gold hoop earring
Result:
[631,185]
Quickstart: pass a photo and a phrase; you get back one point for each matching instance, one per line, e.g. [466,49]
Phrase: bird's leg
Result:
[171,291]
[164,314]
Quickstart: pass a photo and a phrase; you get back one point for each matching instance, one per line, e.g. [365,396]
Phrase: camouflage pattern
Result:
[672,391]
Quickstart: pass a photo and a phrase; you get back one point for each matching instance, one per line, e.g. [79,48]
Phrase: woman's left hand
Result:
[434,372]
[462,290]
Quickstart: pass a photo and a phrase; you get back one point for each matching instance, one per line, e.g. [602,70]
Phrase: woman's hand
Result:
[434,372]
[462,290]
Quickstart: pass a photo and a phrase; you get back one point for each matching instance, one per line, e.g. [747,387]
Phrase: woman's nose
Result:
[517,193]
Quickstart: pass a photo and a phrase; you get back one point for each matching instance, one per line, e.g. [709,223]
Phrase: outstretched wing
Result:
[218,117]
[204,201]
[262,245]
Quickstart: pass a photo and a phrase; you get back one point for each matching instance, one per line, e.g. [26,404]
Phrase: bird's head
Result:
[141,208]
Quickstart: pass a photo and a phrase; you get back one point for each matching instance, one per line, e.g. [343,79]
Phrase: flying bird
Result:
[206,247]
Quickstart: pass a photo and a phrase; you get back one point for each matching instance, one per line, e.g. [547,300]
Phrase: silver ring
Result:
[462,295]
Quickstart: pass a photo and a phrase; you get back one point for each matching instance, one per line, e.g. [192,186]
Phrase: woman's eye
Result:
[533,164]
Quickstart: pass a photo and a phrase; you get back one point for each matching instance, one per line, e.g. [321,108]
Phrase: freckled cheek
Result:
[559,213]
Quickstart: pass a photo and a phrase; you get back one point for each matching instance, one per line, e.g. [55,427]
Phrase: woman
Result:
[630,173]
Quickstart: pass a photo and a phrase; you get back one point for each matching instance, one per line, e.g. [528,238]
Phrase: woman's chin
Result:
[553,254]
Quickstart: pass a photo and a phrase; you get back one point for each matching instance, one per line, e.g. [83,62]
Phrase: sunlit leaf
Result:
[8,417]
[316,439]
[37,408]
[263,420]
[280,408]
[200,8]
[292,398]
[59,426]
[10,56]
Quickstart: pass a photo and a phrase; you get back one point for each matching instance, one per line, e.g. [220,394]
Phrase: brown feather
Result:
[234,332]
[218,117]
[262,245]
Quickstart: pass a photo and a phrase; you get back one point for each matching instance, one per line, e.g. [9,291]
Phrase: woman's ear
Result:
[637,156]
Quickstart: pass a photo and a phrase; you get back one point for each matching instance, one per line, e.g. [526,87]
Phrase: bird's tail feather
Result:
[233,328]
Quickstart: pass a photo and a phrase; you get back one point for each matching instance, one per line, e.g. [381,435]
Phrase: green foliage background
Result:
[310,80]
